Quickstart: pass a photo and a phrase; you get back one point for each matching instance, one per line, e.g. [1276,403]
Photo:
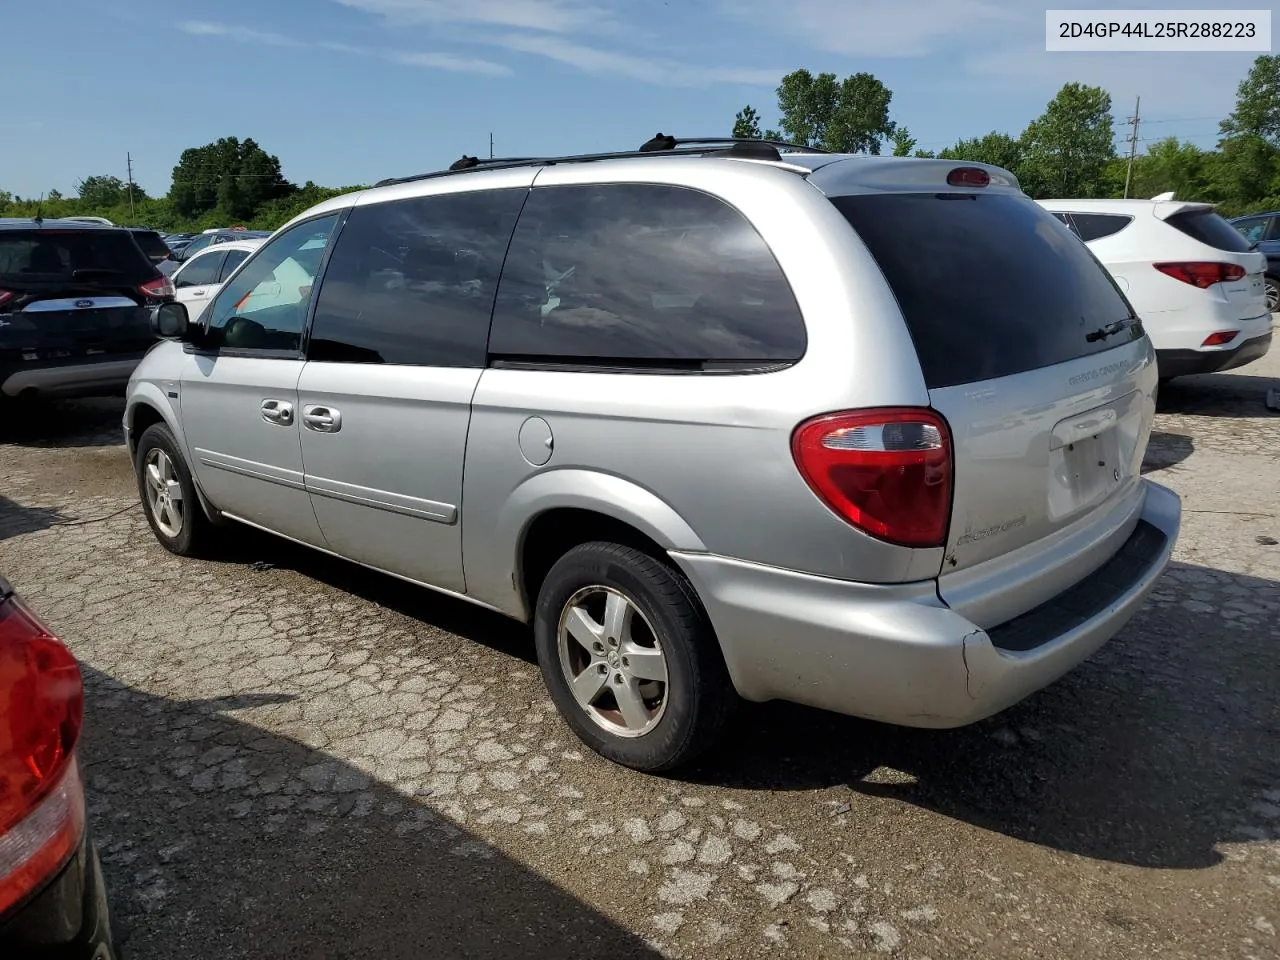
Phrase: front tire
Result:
[169,494]
[630,659]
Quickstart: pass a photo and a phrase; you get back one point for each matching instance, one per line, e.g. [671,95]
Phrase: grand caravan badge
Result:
[973,536]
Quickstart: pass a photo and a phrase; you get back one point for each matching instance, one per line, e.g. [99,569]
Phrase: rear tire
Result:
[169,496]
[1273,294]
[644,622]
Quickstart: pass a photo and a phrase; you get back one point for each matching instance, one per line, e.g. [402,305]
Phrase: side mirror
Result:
[169,321]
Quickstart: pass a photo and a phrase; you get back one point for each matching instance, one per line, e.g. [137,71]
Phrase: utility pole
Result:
[128,159]
[1133,145]
[491,146]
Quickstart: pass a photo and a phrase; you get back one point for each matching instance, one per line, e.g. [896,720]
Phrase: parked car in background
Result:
[73,307]
[745,423]
[1195,282]
[1263,230]
[200,277]
[52,898]
[208,239]
[152,244]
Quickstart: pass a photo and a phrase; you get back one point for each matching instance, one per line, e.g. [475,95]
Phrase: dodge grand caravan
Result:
[723,420]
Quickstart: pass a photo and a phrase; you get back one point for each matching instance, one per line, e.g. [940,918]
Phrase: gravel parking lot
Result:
[290,757]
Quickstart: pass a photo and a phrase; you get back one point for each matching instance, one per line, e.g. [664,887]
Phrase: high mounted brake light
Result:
[968,177]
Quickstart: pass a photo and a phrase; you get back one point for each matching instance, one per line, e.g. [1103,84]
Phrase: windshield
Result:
[51,256]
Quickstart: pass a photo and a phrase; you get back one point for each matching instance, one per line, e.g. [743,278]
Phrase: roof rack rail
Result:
[660,145]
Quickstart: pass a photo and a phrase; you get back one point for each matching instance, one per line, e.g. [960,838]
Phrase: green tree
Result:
[1257,112]
[903,142]
[101,191]
[997,149]
[229,174]
[849,116]
[1171,164]
[1067,148]
[746,125]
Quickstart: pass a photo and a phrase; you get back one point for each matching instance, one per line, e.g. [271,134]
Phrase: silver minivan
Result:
[725,420]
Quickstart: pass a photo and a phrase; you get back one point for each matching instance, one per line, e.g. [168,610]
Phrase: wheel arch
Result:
[558,509]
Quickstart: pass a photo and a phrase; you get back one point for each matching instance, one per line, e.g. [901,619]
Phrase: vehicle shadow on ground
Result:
[244,546]
[15,519]
[1154,752]
[219,839]
[1166,450]
[94,422]
[1149,754]
[1217,395]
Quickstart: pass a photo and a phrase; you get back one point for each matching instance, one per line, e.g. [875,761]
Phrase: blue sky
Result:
[349,91]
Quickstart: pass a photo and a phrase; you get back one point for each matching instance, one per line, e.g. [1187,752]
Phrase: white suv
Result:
[1198,286]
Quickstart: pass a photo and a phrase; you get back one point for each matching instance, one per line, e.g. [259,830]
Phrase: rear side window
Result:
[642,275]
[99,257]
[989,284]
[413,281]
[1210,229]
[234,259]
[1095,226]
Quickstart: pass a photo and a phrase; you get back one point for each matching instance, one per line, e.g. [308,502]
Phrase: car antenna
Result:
[464,163]
[39,207]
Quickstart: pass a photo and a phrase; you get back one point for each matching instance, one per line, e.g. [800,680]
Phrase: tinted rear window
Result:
[990,285]
[1211,229]
[642,275]
[152,245]
[85,256]
[1095,226]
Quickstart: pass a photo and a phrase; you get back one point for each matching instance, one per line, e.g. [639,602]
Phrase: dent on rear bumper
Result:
[893,653]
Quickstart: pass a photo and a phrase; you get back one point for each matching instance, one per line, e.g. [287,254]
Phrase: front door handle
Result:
[321,419]
[279,412]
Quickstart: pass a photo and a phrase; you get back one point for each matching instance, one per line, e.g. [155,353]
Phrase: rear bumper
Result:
[80,378]
[1182,363]
[67,920]
[896,653]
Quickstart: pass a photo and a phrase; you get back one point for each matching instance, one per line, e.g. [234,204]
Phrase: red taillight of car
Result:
[1202,273]
[968,177]
[887,472]
[6,296]
[1219,338]
[161,288]
[41,798]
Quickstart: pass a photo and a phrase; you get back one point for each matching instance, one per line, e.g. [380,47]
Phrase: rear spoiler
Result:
[1165,206]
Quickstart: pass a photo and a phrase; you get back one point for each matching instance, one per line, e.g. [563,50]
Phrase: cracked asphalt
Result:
[288,756]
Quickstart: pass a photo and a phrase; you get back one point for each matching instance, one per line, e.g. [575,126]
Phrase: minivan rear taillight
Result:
[159,288]
[6,296]
[41,798]
[1202,274]
[887,471]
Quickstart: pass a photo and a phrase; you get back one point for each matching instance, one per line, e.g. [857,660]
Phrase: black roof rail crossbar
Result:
[744,147]
[730,141]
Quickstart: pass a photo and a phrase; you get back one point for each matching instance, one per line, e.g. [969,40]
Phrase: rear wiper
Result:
[85,272]
[1110,329]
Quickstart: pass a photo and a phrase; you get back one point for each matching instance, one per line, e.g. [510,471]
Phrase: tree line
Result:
[1068,151]
[228,182]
